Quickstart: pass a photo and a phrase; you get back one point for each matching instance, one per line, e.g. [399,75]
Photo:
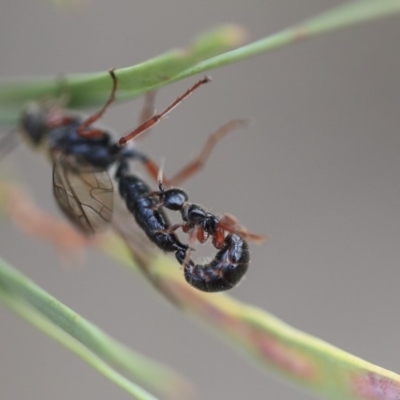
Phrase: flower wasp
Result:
[82,154]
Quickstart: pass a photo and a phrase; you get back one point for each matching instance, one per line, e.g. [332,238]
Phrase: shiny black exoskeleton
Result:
[82,154]
[42,127]
[231,261]
[98,151]
[82,187]
[223,272]
[139,201]
[229,264]
[193,215]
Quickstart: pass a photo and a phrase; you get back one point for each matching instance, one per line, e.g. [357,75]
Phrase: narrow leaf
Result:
[51,316]
[297,357]
[209,51]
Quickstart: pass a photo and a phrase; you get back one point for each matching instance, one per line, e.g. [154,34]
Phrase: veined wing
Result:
[84,195]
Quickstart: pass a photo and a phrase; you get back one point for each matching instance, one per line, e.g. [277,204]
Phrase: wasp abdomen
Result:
[223,272]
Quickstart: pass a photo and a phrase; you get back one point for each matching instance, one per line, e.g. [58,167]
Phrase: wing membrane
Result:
[84,195]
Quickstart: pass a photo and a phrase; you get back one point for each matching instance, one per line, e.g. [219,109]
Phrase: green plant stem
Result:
[345,15]
[207,52]
[100,344]
[38,321]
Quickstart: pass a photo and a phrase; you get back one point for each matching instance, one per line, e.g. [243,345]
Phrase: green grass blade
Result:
[297,357]
[209,51]
[93,88]
[351,13]
[98,343]
[37,320]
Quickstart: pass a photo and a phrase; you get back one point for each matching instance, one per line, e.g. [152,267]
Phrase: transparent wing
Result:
[85,196]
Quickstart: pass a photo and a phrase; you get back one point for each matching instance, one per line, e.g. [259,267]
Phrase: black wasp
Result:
[81,155]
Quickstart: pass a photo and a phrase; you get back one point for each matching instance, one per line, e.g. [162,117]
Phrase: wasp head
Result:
[33,123]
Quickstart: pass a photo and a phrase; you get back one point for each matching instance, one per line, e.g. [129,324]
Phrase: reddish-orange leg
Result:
[196,164]
[148,110]
[84,129]
[230,224]
[156,118]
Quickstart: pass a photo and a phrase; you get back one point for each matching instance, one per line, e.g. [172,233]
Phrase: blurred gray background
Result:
[318,171]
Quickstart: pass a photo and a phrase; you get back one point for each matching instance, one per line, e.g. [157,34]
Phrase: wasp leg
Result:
[84,129]
[155,119]
[195,165]
[230,224]
[148,110]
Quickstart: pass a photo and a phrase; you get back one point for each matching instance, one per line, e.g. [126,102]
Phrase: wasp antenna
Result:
[160,175]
